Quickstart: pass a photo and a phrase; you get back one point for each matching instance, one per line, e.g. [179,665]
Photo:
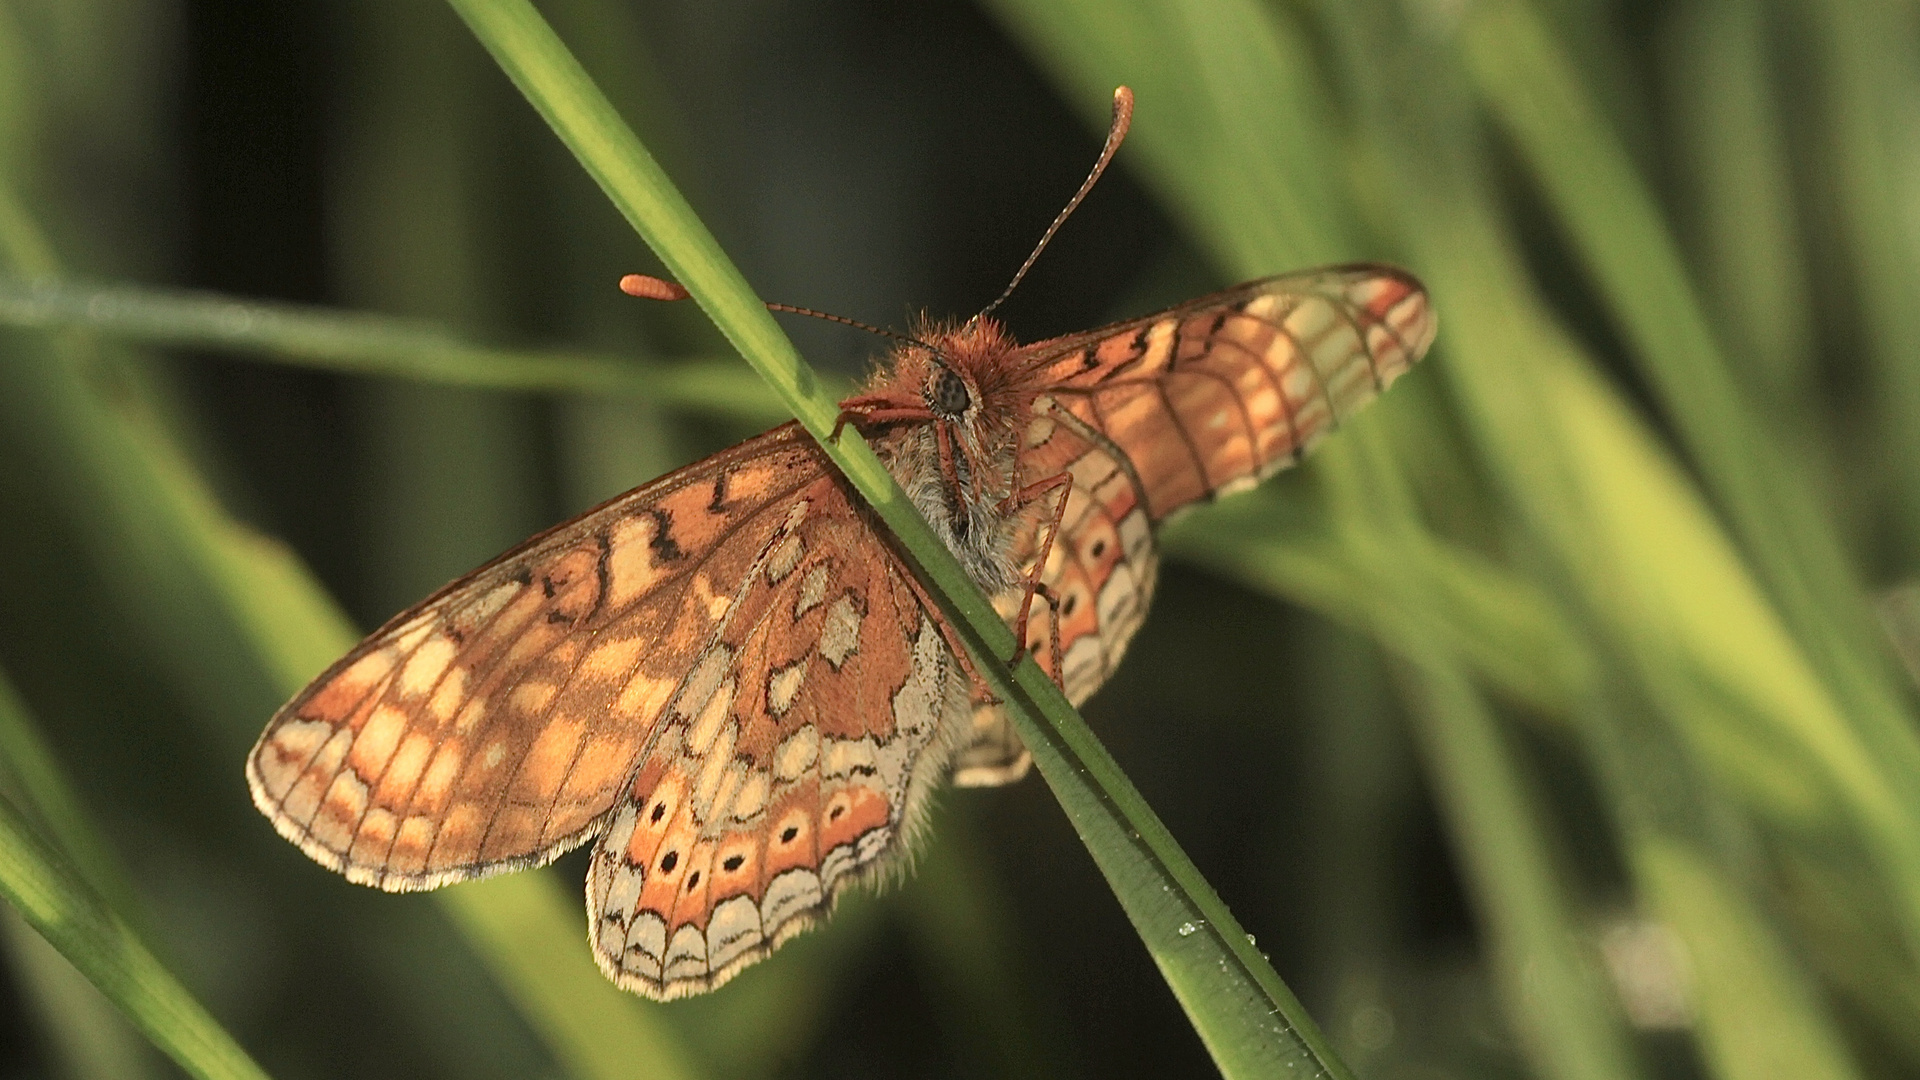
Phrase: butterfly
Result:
[729,682]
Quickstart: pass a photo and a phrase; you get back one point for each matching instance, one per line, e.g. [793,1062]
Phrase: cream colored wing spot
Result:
[840,637]
[700,735]
[784,557]
[631,563]
[813,590]
[797,754]
[733,931]
[783,683]
[752,797]
[789,894]
[284,754]
[426,666]
[702,681]
[645,950]
[713,766]
[686,959]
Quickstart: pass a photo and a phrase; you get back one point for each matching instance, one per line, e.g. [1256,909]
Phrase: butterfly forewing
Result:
[1214,395]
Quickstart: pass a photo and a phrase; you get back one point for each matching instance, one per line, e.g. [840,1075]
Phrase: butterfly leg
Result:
[879,409]
[1041,590]
[1059,483]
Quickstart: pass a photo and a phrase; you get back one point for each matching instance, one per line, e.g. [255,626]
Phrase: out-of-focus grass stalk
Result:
[87,1034]
[1249,1021]
[969,952]
[32,778]
[1504,628]
[1859,730]
[1739,175]
[44,888]
[1867,58]
[357,343]
[1548,975]
[1650,570]
[91,1038]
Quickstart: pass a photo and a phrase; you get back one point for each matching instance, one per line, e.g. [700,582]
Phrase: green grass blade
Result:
[1506,629]
[1550,982]
[1866,60]
[1527,390]
[1618,232]
[1249,1021]
[32,777]
[352,342]
[44,889]
[84,1031]
[1759,1015]
[88,1032]
[1752,267]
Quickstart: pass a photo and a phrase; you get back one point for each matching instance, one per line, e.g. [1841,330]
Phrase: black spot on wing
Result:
[665,548]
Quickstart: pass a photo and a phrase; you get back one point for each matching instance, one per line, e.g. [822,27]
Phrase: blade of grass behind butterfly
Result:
[1872,747]
[1865,61]
[1507,629]
[1738,187]
[351,342]
[47,890]
[1524,389]
[1395,591]
[1248,1020]
[89,1036]
[31,776]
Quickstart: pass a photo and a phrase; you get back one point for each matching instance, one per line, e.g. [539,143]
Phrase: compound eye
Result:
[949,393]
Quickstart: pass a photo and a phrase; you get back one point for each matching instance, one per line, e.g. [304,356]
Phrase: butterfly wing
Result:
[726,675]
[1212,396]
[792,762]
[1150,415]
[1100,572]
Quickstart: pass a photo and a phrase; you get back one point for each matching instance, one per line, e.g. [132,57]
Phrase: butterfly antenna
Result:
[1116,132]
[648,287]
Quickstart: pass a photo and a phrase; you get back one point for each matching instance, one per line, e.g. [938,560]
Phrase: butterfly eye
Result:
[949,394]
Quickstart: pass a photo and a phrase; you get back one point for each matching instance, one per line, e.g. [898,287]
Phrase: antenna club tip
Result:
[648,287]
[1123,97]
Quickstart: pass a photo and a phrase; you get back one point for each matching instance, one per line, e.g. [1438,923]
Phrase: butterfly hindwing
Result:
[1100,571]
[794,761]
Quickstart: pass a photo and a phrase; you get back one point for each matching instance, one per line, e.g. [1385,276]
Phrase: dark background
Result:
[876,160]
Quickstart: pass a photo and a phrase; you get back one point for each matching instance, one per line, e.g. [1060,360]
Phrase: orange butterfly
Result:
[728,680]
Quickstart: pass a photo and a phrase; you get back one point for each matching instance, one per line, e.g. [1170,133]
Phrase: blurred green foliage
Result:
[1543,725]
